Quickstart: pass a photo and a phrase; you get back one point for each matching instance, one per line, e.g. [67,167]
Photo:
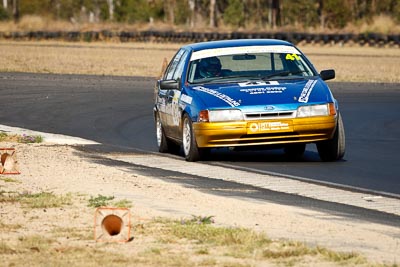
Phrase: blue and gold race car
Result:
[246,94]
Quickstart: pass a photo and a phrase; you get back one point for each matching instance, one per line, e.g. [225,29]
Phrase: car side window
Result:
[179,67]
[169,74]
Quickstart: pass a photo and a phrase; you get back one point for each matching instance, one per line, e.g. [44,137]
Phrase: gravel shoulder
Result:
[62,169]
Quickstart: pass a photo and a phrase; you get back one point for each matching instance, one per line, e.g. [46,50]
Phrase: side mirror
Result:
[327,75]
[169,84]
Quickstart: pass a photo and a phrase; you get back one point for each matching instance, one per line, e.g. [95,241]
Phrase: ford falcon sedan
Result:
[246,94]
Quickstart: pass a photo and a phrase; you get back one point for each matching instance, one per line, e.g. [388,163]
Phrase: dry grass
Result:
[40,23]
[36,200]
[352,64]
[159,242]
[27,139]
[380,23]
[357,64]
[138,59]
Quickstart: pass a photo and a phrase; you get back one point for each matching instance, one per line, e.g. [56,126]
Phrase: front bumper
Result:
[264,132]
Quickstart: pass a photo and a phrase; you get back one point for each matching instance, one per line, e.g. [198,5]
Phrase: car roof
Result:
[235,43]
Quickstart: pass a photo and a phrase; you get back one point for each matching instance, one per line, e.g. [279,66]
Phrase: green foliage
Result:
[3,136]
[66,9]
[244,243]
[234,14]
[124,203]
[301,12]
[103,201]
[181,12]
[104,12]
[49,200]
[136,10]
[99,201]
[37,7]
[45,200]
[337,13]
[200,219]
[3,15]
[396,12]
[9,180]
[28,139]
[207,234]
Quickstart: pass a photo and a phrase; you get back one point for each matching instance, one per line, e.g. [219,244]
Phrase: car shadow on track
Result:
[267,155]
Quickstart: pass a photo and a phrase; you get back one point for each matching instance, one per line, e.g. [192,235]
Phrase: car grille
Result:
[269,115]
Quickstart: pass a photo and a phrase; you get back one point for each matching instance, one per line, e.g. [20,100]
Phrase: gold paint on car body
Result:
[286,131]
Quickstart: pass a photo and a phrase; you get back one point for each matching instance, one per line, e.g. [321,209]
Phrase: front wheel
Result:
[190,149]
[333,149]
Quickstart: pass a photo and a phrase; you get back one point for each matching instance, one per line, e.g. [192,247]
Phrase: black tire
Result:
[163,143]
[333,149]
[295,151]
[190,149]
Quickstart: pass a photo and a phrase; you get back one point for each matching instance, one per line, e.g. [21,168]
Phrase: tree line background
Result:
[256,14]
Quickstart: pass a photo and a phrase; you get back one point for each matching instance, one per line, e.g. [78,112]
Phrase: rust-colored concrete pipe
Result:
[112,224]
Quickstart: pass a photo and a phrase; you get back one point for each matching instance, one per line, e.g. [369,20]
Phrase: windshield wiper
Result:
[230,78]
[250,77]
[282,73]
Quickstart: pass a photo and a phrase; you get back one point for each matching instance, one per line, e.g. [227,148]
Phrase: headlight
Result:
[220,115]
[316,110]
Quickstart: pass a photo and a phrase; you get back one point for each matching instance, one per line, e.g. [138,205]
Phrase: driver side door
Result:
[170,113]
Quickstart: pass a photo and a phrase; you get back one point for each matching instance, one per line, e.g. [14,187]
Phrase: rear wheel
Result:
[333,149]
[163,143]
[190,149]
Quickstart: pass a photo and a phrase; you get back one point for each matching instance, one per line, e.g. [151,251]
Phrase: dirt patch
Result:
[62,170]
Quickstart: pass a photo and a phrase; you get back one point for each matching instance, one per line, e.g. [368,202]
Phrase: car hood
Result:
[284,94]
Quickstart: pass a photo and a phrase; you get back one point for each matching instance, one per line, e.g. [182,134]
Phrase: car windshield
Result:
[248,66]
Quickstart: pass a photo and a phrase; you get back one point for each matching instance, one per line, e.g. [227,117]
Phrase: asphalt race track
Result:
[117,111]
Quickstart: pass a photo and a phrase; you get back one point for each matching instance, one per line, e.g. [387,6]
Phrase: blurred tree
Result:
[301,12]
[110,4]
[260,10]
[169,10]
[234,13]
[213,22]
[386,6]
[200,13]
[335,13]
[192,12]
[16,10]
[3,14]
[181,10]
[138,10]
[321,14]
[396,11]
[275,13]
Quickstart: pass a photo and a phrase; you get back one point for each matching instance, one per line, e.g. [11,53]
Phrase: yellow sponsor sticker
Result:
[292,57]
[270,126]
